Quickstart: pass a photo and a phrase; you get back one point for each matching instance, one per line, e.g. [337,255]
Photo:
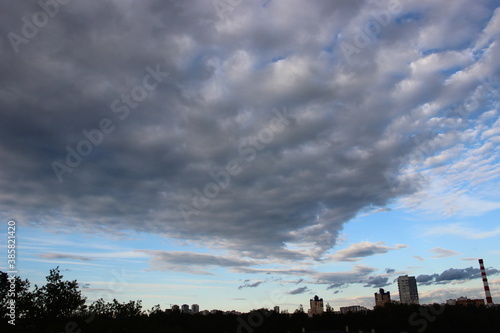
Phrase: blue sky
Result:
[115,268]
[255,154]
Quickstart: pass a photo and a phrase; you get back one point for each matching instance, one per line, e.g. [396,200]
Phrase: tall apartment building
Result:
[195,308]
[382,298]
[185,308]
[316,306]
[408,293]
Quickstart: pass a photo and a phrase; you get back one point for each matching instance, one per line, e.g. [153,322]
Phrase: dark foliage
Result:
[59,306]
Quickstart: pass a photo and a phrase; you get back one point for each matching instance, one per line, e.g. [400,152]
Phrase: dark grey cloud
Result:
[390,270]
[299,281]
[463,274]
[359,274]
[184,99]
[336,285]
[377,282]
[300,290]
[454,274]
[425,279]
[247,284]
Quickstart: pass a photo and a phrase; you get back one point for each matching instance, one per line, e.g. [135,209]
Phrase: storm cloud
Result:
[255,132]
[247,284]
[377,282]
[299,290]
[454,274]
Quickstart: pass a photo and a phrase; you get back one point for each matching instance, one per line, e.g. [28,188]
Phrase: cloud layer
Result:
[454,274]
[364,249]
[252,131]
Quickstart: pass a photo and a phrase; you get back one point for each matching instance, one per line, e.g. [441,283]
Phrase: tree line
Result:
[59,306]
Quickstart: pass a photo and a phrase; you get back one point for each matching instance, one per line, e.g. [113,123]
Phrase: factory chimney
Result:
[489,300]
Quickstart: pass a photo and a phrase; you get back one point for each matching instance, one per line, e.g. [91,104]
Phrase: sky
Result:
[244,154]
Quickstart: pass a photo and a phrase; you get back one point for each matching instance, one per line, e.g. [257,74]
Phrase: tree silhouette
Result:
[59,298]
[155,311]
[24,299]
[59,306]
[123,310]
[101,308]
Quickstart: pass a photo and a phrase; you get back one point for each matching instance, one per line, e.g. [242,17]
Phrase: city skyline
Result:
[249,154]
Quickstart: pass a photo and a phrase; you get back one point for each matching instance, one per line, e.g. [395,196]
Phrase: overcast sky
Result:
[220,151]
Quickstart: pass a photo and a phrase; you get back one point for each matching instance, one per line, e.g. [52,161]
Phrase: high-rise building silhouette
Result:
[382,298]
[195,308]
[185,308]
[408,293]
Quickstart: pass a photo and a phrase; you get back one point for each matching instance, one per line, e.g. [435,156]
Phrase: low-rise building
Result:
[352,308]
[470,302]
[316,306]
[382,298]
[465,301]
